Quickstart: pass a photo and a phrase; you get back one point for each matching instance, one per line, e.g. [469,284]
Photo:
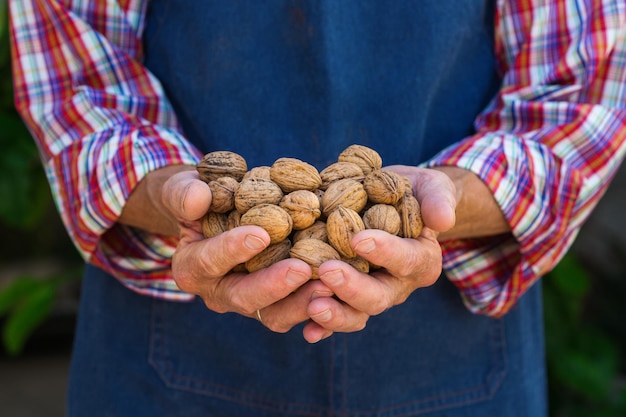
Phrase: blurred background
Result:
[584,297]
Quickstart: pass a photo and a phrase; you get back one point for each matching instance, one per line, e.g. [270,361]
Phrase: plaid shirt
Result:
[546,145]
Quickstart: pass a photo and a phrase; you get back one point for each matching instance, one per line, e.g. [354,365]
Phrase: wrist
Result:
[144,208]
[478,213]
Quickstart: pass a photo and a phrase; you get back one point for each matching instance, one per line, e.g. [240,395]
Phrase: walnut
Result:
[368,159]
[411,216]
[342,224]
[260,172]
[223,194]
[221,164]
[359,263]
[269,256]
[383,217]
[384,187]
[255,191]
[347,192]
[275,220]
[303,206]
[233,220]
[316,231]
[408,186]
[338,171]
[292,174]
[213,224]
[314,252]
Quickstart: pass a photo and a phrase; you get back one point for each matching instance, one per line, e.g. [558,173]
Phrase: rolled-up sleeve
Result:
[547,145]
[102,122]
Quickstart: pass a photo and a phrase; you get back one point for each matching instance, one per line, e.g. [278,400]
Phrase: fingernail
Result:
[334,277]
[254,242]
[324,316]
[295,277]
[365,246]
[320,294]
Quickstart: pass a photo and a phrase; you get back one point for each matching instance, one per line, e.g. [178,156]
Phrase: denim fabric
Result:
[137,356]
[305,79]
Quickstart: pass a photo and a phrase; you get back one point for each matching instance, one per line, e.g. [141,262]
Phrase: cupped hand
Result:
[406,264]
[204,267]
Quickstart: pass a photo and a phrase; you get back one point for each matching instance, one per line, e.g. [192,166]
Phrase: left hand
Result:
[407,264]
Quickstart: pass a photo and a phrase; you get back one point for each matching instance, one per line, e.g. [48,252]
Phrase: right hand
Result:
[203,266]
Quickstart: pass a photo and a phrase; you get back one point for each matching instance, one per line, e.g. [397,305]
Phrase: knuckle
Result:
[360,325]
[240,305]
[379,306]
[184,281]
[430,280]
[277,326]
[211,267]
[217,308]
[406,269]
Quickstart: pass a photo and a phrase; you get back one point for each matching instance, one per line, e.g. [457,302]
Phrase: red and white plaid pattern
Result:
[546,145]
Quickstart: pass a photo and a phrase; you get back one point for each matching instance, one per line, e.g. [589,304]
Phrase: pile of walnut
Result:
[309,215]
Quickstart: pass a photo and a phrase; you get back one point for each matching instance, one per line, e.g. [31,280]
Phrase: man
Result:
[513,110]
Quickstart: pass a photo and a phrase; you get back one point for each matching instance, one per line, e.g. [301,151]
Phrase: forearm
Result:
[477,212]
[145,210]
[97,141]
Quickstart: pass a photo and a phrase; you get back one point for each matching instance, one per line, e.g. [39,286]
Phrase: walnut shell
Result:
[255,191]
[411,216]
[292,174]
[303,206]
[319,193]
[274,219]
[347,192]
[239,268]
[213,224]
[338,171]
[384,187]
[223,194]
[368,159]
[342,224]
[382,217]
[262,172]
[269,256]
[408,186]
[233,220]
[316,231]
[221,164]
[359,263]
[314,252]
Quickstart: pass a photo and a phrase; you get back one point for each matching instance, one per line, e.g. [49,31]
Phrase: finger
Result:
[313,332]
[246,293]
[186,196]
[331,314]
[436,193]
[407,264]
[291,310]
[402,257]
[197,261]
[362,292]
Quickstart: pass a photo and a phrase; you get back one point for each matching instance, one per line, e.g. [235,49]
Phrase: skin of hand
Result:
[454,202]
[171,201]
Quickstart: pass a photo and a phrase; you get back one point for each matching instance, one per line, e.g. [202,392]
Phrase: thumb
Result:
[186,196]
[436,193]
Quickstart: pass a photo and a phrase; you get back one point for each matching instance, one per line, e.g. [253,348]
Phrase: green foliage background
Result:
[29,227]
[585,341]
[584,317]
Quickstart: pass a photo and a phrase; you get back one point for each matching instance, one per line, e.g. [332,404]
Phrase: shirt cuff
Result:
[537,197]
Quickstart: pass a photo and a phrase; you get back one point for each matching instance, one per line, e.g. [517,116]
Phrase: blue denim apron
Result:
[306,79]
